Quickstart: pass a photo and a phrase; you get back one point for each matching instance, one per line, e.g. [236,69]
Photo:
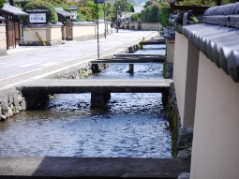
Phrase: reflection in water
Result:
[130,125]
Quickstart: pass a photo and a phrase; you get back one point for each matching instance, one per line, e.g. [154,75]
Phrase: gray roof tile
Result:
[218,43]
[63,12]
[12,10]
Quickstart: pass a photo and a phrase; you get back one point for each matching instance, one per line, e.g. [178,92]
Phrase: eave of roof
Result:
[2,18]
[218,43]
[63,12]
[8,9]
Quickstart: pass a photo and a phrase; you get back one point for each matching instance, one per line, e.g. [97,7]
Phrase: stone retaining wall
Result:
[181,137]
[11,103]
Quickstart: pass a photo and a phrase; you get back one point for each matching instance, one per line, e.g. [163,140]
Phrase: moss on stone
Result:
[173,121]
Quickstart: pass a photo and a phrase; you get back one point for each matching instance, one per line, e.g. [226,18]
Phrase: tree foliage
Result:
[164,12]
[1,3]
[109,11]
[124,6]
[89,11]
[204,2]
[51,15]
[151,12]
[136,17]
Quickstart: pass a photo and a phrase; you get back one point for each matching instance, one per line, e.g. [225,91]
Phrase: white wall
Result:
[3,38]
[185,78]
[216,130]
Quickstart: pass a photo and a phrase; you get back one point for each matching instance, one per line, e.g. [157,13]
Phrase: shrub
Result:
[51,15]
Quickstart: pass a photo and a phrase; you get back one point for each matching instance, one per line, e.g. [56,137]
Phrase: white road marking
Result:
[50,64]
[30,64]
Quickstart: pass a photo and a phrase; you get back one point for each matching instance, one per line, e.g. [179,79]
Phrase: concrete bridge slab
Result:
[70,167]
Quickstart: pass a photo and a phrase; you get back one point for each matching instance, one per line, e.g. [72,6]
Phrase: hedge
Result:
[51,15]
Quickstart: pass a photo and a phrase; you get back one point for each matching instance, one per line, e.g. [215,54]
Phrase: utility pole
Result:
[97,25]
[116,6]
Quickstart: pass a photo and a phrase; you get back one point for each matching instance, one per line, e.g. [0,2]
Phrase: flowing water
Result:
[131,124]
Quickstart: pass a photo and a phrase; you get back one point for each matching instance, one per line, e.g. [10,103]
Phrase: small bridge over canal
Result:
[39,90]
[130,59]
[153,42]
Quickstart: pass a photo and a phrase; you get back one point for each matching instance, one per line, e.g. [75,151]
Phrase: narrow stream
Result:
[131,125]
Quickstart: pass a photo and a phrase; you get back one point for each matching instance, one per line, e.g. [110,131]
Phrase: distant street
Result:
[20,66]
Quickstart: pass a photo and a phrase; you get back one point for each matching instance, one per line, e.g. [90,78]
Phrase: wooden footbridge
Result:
[153,42]
[100,90]
[130,59]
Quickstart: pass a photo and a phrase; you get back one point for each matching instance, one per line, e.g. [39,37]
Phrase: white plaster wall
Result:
[151,26]
[81,30]
[170,50]
[185,79]
[30,35]
[3,38]
[216,132]
[56,33]
[179,71]
[101,28]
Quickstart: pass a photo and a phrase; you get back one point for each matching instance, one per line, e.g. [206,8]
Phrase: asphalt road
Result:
[15,66]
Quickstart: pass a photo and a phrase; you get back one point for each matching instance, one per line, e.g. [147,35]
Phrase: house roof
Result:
[63,12]
[8,9]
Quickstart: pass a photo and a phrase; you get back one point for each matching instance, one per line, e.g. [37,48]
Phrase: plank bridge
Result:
[130,59]
[36,91]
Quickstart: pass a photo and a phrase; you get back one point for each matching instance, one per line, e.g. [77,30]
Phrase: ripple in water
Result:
[131,125]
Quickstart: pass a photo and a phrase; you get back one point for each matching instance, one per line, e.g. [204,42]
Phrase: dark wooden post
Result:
[11,2]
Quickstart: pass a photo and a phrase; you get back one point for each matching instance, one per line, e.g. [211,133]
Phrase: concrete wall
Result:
[3,38]
[151,26]
[216,129]
[185,78]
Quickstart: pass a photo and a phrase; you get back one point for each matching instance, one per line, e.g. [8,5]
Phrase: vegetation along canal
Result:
[130,125]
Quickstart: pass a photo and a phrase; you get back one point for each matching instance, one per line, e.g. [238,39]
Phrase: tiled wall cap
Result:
[219,44]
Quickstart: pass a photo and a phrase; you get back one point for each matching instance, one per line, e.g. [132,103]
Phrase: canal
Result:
[131,125]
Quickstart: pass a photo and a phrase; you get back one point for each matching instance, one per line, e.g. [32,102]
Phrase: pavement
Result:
[24,63]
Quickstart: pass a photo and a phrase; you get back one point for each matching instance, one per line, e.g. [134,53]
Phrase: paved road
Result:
[25,65]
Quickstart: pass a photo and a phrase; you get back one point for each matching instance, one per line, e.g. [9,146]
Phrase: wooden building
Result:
[13,30]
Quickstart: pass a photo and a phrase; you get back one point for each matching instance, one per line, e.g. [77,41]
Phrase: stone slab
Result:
[61,86]
[15,167]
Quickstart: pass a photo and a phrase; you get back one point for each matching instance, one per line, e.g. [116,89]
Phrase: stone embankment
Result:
[12,101]
[11,104]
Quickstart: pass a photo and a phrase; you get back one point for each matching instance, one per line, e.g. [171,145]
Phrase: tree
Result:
[89,11]
[151,13]
[51,15]
[164,12]
[124,6]
[136,17]
[109,11]
[1,3]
